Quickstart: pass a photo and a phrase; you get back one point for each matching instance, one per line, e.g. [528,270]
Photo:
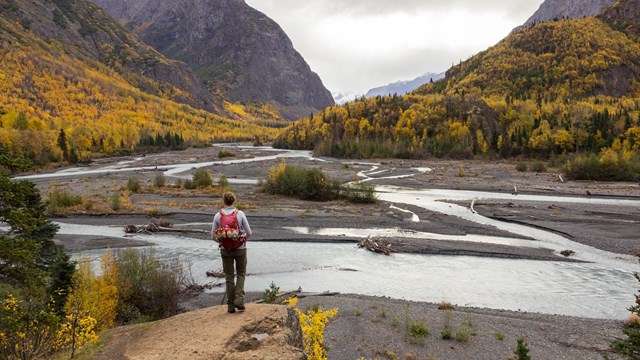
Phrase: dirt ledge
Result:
[210,333]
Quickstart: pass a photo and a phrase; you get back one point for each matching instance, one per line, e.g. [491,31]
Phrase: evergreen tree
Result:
[630,347]
[22,123]
[27,250]
[62,144]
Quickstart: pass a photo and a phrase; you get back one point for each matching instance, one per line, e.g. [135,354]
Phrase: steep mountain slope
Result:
[567,9]
[566,58]
[66,66]
[623,16]
[240,53]
[403,87]
[90,34]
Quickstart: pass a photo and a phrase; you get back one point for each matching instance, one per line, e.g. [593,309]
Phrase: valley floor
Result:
[374,327]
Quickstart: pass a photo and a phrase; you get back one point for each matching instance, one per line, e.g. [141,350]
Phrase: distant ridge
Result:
[567,9]
[403,87]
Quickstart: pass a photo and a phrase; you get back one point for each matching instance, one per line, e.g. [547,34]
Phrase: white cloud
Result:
[355,45]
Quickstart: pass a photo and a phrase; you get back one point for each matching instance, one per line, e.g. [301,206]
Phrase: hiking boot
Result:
[231,309]
[240,307]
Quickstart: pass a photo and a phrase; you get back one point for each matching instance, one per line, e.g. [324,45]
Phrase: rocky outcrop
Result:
[571,9]
[260,332]
[239,52]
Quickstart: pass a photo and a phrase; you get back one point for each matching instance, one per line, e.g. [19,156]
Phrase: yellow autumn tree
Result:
[91,304]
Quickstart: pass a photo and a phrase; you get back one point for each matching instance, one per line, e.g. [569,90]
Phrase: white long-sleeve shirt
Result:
[243,223]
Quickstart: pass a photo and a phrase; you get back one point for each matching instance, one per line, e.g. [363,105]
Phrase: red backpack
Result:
[228,234]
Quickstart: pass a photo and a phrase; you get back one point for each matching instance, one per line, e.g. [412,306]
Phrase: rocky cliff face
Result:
[572,9]
[240,53]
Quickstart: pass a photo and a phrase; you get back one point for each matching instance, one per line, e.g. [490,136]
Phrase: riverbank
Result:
[376,327]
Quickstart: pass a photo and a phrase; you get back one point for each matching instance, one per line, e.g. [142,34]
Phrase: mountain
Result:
[398,87]
[623,16]
[69,71]
[87,32]
[240,53]
[567,9]
[560,87]
[559,59]
[403,87]
[343,98]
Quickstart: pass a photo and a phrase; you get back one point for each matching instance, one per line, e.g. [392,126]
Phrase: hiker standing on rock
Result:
[231,231]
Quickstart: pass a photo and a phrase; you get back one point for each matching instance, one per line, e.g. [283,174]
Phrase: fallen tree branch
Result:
[326,293]
[380,246]
[152,227]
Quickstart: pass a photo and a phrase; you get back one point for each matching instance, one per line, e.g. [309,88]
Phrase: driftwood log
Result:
[300,295]
[215,274]
[377,245]
[154,227]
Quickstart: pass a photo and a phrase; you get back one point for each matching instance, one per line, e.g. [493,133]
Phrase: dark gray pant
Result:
[235,289]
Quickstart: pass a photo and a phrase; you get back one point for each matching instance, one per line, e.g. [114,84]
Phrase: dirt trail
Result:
[260,332]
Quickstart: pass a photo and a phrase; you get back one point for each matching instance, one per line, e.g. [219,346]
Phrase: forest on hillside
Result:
[562,88]
[45,91]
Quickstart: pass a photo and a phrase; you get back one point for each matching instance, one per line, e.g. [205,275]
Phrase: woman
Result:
[231,231]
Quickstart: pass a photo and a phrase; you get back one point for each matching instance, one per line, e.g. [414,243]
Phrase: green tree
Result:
[62,144]
[32,270]
[22,123]
[27,250]
[630,347]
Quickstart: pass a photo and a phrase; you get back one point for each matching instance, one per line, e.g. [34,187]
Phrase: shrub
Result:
[296,181]
[133,185]
[521,167]
[463,334]
[188,184]
[446,332]
[223,182]
[224,153]
[147,286]
[538,167]
[359,193]
[416,331]
[202,178]
[607,166]
[61,199]
[522,350]
[312,324]
[116,202]
[311,184]
[159,180]
[28,328]
[270,295]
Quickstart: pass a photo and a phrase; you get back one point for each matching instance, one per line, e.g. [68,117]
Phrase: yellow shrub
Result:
[312,324]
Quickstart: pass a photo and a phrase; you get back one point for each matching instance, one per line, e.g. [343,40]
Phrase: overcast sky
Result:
[355,45]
